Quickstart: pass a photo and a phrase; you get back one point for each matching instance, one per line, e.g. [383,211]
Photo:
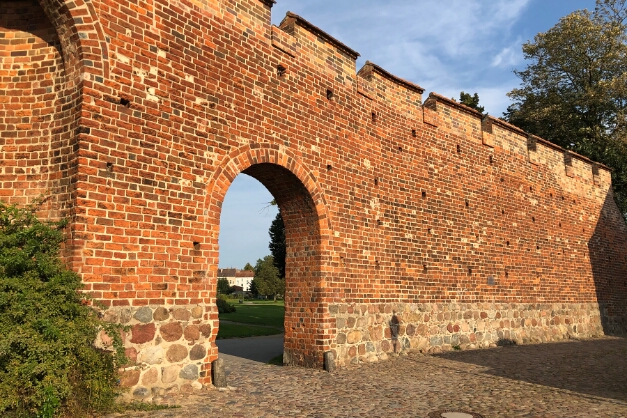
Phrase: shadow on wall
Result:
[607,248]
[593,367]
[38,140]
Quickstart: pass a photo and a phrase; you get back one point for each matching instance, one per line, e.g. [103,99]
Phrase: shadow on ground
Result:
[259,349]
[588,367]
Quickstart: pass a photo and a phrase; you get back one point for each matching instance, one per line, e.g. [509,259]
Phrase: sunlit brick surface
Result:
[411,225]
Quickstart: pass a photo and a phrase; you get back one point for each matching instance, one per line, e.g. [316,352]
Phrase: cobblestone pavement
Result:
[568,379]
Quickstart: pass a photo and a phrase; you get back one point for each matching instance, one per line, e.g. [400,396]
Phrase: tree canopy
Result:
[573,92]
[267,281]
[470,101]
[223,286]
[277,243]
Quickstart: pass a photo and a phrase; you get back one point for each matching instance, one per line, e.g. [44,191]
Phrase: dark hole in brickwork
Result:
[531,188]
[551,194]
[110,167]
[424,267]
[537,247]
[281,70]
[506,273]
[196,245]
[467,204]
[491,160]
[379,222]
[502,179]
[329,167]
[560,224]
[424,194]
[469,271]
[502,211]
[376,181]
[533,219]
[459,149]
[329,94]
[400,149]
[507,243]
[125,102]
[413,133]
[374,117]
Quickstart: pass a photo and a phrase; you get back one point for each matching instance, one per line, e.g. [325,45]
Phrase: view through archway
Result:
[302,322]
[251,319]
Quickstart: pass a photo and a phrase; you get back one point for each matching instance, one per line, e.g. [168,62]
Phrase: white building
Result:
[237,277]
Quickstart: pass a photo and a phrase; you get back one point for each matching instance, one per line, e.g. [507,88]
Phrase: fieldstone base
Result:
[169,348]
[367,333]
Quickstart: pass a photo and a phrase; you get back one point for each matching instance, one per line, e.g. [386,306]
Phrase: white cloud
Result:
[244,223]
[439,44]
[508,57]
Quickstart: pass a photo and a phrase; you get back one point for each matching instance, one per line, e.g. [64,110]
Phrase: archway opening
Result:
[303,318]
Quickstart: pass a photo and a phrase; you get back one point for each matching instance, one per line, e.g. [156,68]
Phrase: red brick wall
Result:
[34,113]
[390,205]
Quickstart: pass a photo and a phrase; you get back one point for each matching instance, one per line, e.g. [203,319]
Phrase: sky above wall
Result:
[445,46]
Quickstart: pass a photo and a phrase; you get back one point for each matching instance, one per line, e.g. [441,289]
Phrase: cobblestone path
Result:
[568,379]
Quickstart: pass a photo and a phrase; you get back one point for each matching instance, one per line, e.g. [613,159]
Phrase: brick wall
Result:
[410,225]
[36,111]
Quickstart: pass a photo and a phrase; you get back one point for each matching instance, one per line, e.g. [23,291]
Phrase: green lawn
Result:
[264,313]
[242,330]
[270,314]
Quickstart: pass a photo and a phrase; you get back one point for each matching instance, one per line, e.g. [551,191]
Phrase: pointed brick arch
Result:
[308,230]
[242,158]
[82,38]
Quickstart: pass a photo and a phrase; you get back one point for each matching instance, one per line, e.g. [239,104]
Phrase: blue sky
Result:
[445,46]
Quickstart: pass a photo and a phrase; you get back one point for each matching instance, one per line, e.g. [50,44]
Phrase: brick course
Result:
[135,117]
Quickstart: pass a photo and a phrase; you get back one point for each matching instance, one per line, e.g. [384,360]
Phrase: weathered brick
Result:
[386,197]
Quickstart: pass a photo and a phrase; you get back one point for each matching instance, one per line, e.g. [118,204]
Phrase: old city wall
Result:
[411,224]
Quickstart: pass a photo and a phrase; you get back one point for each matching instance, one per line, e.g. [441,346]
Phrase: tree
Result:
[277,243]
[470,101]
[223,286]
[249,267]
[574,90]
[267,281]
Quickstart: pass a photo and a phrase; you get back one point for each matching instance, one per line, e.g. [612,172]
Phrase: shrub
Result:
[48,362]
[223,305]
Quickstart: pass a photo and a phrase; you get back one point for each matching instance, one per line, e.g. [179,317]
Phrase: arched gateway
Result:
[411,225]
[307,227]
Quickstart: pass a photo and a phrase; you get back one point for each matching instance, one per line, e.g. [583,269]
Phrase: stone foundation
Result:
[367,333]
[168,347]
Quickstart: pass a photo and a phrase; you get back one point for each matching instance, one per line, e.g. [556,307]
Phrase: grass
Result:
[265,313]
[243,330]
[268,314]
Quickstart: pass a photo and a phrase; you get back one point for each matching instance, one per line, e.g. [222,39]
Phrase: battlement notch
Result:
[471,124]
[320,49]
[376,83]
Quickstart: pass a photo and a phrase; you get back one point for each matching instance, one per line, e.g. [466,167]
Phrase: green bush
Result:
[223,305]
[49,365]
